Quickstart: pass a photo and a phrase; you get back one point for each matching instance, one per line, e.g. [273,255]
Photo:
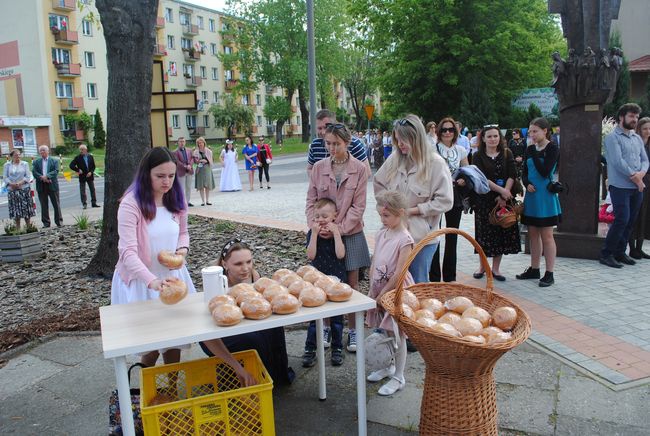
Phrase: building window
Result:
[259,120]
[215,97]
[211,26]
[258,101]
[204,74]
[244,100]
[204,96]
[229,75]
[86,28]
[199,21]
[175,123]
[171,44]
[172,69]
[169,15]
[63,89]
[213,48]
[206,120]
[224,27]
[190,121]
[58,21]
[63,125]
[92,90]
[298,121]
[90,59]
[215,74]
[24,139]
[227,50]
[188,70]
[186,43]
[60,56]
[184,18]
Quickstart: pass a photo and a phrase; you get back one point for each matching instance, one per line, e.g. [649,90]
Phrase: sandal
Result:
[478,275]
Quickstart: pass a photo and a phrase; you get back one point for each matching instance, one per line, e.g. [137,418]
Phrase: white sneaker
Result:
[352,341]
[381,374]
[393,385]
[327,337]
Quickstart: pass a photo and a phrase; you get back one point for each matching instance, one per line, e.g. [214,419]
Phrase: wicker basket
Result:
[506,220]
[459,391]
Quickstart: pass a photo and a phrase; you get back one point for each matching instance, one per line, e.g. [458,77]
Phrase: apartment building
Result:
[632,24]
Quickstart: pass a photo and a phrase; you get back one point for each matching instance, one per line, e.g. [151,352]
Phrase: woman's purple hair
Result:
[173,200]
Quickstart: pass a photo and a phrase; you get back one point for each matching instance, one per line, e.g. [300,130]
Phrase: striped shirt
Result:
[317,151]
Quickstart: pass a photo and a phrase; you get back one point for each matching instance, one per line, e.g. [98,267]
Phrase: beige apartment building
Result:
[634,28]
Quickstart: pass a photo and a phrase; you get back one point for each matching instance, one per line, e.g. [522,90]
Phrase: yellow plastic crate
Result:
[207,398]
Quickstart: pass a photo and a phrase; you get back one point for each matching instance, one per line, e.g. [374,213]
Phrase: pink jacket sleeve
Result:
[183,235]
[128,217]
[312,195]
[354,215]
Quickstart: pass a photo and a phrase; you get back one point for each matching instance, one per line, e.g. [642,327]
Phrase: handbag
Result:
[556,187]
[380,349]
[114,418]
[268,161]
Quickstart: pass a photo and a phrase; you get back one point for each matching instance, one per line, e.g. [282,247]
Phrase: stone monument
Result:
[584,82]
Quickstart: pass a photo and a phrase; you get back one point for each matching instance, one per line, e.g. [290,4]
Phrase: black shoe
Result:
[624,258]
[530,273]
[45,226]
[85,207]
[308,358]
[498,277]
[478,275]
[190,205]
[96,205]
[635,254]
[410,347]
[610,261]
[208,203]
[337,357]
[547,280]
[644,254]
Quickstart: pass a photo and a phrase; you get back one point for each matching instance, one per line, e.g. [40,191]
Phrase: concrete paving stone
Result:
[526,409]
[642,333]
[568,425]
[562,350]
[391,411]
[594,366]
[634,340]
[69,350]
[23,372]
[615,377]
[529,368]
[577,357]
[580,398]
[89,420]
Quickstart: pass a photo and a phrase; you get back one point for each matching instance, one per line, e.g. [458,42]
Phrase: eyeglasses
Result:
[404,122]
[448,130]
[337,126]
[490,126]
[226,248]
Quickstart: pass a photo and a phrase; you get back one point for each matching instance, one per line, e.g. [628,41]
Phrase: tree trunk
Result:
[278,131]
[129,31]
[304,115]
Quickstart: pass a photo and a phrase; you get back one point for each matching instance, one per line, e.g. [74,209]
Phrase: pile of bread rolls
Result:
[459,317]
[284,293]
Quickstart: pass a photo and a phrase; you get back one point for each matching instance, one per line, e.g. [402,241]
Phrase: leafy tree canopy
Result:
[230,113]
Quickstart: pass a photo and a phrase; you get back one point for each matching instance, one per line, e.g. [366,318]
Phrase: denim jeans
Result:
[626,204]
[420,266]
[336,326]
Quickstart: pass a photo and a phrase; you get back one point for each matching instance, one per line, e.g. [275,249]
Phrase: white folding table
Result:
[151,325]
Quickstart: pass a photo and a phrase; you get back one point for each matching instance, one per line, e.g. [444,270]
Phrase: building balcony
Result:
[159,50]
[160,22]
[68,70]
[269,89]
[227,38]
[166,77]
[76,135]
[71,103]
[191,55]
[270,129]
[231,83]
[294,108]
[295,127]
[190,29]
[255,130]
[64,5]
[197,131]
[170,132]
[193,81]
[67,37]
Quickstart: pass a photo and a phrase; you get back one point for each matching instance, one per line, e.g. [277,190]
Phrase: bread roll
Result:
[227,315]
[446,329]
[469,326]
[504,317]
[312,296]
[427,322]
[274,290]
[262,283]
[312,276]
[173,290]
[450,318]
[304,269]
[170,259]
[408,312]
[434,305]
[458,304]
[478,313]
[285,304]
[324,282]
[220,299]
[339,292]
[241,287]
[499,338]
[247,295]
[280,273]
[476,339]
[410,300]
[487,331]
[256,308]
[159,399]
[424,313]
[288,279]
[298,286]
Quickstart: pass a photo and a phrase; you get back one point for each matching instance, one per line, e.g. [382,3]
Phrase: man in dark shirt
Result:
[84,165]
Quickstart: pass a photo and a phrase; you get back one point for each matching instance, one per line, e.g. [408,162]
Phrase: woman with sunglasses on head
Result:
[497,163]
[641,229]
[455,156]
[418,172]
[236,258]
[542,209]
[343,179]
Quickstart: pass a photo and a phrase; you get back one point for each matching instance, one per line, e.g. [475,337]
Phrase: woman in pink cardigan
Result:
[153,217]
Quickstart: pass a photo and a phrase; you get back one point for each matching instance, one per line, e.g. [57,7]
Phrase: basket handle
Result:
[425,241]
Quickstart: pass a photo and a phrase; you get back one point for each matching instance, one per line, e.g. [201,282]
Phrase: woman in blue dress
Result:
[250,157]
[542,209]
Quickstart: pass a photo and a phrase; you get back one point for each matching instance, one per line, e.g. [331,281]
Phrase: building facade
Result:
[632,25]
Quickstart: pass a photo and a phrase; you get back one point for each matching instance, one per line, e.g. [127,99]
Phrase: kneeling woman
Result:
[236,258]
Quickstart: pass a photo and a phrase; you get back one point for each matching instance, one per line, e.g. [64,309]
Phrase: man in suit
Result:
[84,165]
[46,172]
[184,168]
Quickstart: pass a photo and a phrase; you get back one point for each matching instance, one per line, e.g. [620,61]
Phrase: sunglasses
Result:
[490,126]
[225,251]
[448,130]
[404,122]
[337,126]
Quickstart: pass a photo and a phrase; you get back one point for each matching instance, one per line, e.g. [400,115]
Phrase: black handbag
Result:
[114,418]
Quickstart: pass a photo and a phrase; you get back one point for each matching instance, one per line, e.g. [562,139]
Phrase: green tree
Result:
[231,114]
[277,110]
[476,107]
[359,80]
[533,112]
[428,50]
[82,122]
[99,141]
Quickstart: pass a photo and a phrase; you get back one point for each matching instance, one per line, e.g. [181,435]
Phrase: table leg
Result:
[124,394]
[320,359]
[361,374]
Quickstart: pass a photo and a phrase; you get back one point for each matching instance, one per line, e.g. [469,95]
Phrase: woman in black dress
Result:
[497,163]
[518,147]
[641,228]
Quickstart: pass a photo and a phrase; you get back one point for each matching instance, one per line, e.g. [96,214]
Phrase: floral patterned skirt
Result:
[20,204]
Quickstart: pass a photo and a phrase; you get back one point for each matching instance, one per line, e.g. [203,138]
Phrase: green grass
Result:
[81,221]
[99,154]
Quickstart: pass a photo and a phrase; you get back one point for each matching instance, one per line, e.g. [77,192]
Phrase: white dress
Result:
[230,180]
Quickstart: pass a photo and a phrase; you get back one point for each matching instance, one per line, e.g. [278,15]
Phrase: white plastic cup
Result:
[214,282]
